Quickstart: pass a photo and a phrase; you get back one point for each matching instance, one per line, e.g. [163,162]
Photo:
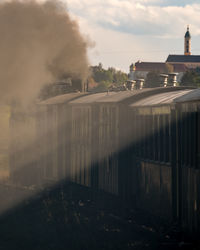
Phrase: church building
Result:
[176,63]
[191,61]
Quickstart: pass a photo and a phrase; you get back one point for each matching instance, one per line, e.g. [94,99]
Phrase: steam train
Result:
[142,146]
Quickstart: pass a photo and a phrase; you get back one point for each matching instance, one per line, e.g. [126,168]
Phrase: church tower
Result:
[187,43]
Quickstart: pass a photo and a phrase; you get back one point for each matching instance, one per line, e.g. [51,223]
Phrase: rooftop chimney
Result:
[131,84]
[163,80]
[172,79]
[139,83]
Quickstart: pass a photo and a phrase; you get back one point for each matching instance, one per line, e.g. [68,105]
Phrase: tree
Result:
[120,77]
[102,86]
[191,78]
[107,77]
[152,79]
[102,75]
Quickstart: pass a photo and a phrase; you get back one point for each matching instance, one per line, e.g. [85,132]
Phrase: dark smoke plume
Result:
[38,44]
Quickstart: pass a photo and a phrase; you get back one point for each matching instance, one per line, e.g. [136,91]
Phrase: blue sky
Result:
[125,31]
[173,2]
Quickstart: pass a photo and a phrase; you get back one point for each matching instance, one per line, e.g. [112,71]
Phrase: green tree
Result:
[191,78]
[120,77]
[102,75]
[102,86]
[107,77]
[152,79]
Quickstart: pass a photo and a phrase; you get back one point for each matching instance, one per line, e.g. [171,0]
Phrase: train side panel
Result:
[108,146]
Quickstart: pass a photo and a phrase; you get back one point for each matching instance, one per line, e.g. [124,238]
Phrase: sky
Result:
[125,31]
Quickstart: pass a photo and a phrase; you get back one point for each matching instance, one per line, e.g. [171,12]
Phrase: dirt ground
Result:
[69,217]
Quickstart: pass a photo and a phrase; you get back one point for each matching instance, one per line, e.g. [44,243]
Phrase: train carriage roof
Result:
[60,99]
[160,99]
[185,95]
[193,95]
[105,97]
[138,98]
[126,97]
[87,98]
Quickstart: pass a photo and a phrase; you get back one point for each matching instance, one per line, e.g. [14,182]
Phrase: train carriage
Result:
[142,146]
[96,141]
[188,164]
[54,133]
[167,149]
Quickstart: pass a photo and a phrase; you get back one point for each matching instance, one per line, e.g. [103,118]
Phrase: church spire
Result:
[187,42]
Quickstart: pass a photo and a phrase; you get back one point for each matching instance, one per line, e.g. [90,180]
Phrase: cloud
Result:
[129,30]
[119,50]
[140,17]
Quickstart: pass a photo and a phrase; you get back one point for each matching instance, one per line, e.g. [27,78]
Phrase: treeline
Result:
[190,78]
[102,79]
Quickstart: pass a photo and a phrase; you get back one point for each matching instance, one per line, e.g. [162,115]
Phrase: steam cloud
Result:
[38,44]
